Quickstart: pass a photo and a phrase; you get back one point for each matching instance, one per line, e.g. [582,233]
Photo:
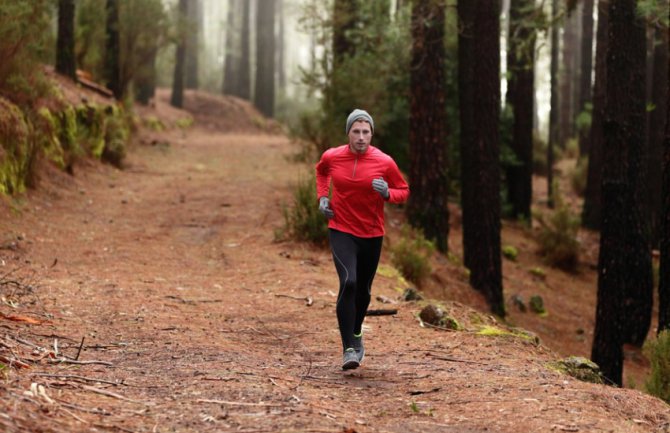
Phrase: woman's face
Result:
[360,136]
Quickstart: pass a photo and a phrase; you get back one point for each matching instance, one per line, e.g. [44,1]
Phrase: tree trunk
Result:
[664,272]
[427,208]
[281,44]
[655,131]
[177,99]
[520,92]
[65,57]
[586,69]
[592,210]
[231,58]
[146,80]
[479,89]
[244,69]
[264,93]
[554,106]
[624,265]
[576,71]
[113,48]
[194,29]
[567,115]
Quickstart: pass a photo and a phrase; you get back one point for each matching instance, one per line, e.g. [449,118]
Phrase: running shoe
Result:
[350,360]
[359,348]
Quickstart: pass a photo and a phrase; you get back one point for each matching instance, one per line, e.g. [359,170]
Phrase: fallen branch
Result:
[382,312]
[69,405]
[76,358]
[13,362]
[74,377]
[23,319]
[110,394]
[74,361]
[439,328]
[308,299]
[450,359]
[424,392]
[239,403]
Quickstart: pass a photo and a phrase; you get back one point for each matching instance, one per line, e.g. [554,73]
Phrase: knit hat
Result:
[358,114]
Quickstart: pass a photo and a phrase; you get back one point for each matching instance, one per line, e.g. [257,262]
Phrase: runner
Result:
[363,178]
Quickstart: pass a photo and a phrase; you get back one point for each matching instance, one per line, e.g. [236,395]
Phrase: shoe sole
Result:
[350,365]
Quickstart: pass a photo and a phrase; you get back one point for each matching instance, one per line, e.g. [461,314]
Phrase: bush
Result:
[572,148]
[17,150]
[578,176]
[510,252]
[24,34]
[411,255]
[558,238]
[303,221]
[658,352]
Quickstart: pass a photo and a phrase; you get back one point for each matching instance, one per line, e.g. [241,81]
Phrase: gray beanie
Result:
[358,114]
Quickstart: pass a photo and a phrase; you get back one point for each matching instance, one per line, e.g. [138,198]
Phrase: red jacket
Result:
[358,209]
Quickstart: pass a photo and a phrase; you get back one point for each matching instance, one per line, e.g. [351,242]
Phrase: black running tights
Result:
[356,261]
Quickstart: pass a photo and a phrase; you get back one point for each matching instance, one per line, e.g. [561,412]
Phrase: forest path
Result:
[171,272]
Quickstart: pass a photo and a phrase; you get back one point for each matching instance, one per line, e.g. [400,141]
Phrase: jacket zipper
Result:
[353,175]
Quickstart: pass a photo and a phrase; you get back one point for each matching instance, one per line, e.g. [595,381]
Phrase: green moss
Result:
[49,141]
[493,331]
[391,272]
[61,135]
[510,252]
[17,151]
[580,368]
[538,272]
[536,304]
[91,120]
[116,137]
[184,122]
[153,123]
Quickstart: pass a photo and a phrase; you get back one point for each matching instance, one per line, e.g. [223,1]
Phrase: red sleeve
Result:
[398,188]
[323,176]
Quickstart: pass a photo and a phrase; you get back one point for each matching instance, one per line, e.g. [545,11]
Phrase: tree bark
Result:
[177,98]
[554,105]
[479,89]
[586,70]
[65,56]
[193,44]
[113,48]
[656,128]
[231,57]
[624,265]
[281,46]
[146,80]
[244,69]
[520,94]
[264,93]
[566,79]
[427,208]
[592,207]
[664,271]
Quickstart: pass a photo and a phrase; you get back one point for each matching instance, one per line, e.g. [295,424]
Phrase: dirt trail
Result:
[170,271]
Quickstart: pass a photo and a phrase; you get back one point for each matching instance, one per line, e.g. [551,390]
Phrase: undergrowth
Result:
[411,255]
[658,352]
[302,220]
[558,237]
